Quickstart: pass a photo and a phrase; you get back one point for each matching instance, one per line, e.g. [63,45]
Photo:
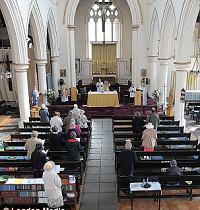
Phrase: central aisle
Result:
[99,189]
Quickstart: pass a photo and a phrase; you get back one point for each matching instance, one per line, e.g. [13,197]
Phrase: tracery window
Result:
[112,26]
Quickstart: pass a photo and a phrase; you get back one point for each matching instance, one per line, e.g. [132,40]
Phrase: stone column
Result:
[71,29]
[181,77]
[163,75]
[152,73]
[22,90]
[55,72]
[135,57]
[41,66]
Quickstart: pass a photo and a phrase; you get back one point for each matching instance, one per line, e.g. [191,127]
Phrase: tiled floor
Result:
[99,191]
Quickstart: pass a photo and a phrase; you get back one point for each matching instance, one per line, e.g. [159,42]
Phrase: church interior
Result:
[116,60]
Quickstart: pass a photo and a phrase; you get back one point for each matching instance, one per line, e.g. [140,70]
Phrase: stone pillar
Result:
[152,73]
[71,29]
[41,66]
[22,90]
[181,77]
[163,75]
[55,72]
[135,57]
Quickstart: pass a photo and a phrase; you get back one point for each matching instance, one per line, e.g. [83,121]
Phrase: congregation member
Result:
[127,159]
[44,114]
[173,170]
[56,121]
[56,141]
[83,119]
[74,128]
[74,147]
[132,90]
[52,186]
[153,118]
[30,144]
[38,159]
[76,112]
[67,119]
[138,123]
[99,86]
[149,138]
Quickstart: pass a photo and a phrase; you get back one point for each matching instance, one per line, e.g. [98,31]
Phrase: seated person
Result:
[83,119]
[67,119]
[173,170]
[56,120]
[74,147]
[38,159]
[127,159]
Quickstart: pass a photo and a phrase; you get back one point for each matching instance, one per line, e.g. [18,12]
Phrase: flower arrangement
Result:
[156,94]
[50,94]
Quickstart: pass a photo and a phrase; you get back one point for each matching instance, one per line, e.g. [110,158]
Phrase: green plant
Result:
[156,94]
[50,94]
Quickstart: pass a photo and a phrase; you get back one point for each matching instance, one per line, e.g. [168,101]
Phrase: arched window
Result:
[112,26]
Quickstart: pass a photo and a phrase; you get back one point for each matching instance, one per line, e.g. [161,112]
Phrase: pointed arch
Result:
[186,28]
[168,29]
[16,31]
[52,31]
[71,6]
[38,31]
[154,34]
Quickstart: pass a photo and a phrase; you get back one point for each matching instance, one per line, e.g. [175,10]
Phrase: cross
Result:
[103,7]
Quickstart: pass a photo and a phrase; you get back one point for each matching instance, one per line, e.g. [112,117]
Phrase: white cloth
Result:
[132,92]
[56,121]
[100,87]
[144,96]
[52,185]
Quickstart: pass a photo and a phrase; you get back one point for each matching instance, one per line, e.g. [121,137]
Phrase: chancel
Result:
[99,67]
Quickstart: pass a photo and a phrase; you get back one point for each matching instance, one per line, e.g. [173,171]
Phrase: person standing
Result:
[149,138]
[38,159]
[127,159]
[132,90]
[56,121]
[153,118]
[99,86]
[74,147]
[30,144]
[138,123]
[44,114]
[52,186]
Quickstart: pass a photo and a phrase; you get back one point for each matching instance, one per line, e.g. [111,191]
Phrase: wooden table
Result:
[103,99]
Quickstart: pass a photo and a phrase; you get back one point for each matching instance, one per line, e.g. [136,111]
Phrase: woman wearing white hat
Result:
[52,185]
[149,138]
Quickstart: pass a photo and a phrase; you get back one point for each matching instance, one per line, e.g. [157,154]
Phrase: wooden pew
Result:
[130,135]
[36,124]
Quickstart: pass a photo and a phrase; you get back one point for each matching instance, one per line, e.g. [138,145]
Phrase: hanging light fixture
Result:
[5,68]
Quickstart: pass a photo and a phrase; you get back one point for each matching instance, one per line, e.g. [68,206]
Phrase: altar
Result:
[111,78]
[103,99]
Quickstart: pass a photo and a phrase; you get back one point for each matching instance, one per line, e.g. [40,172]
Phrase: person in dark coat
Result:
[153,118]
[38,159]
[74,147]
[127,159]
[173,170]
[44,114]
[138,123]
[56,141]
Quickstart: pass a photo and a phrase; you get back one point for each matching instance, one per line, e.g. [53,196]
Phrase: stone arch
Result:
[72,5]
[168,28]
[154,34]
[16,31]
[38,30]
[186,29]
[52,30]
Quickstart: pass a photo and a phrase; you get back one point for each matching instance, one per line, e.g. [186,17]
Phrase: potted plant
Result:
[50,94]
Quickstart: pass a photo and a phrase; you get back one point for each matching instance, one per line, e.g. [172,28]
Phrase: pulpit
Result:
[138,99]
